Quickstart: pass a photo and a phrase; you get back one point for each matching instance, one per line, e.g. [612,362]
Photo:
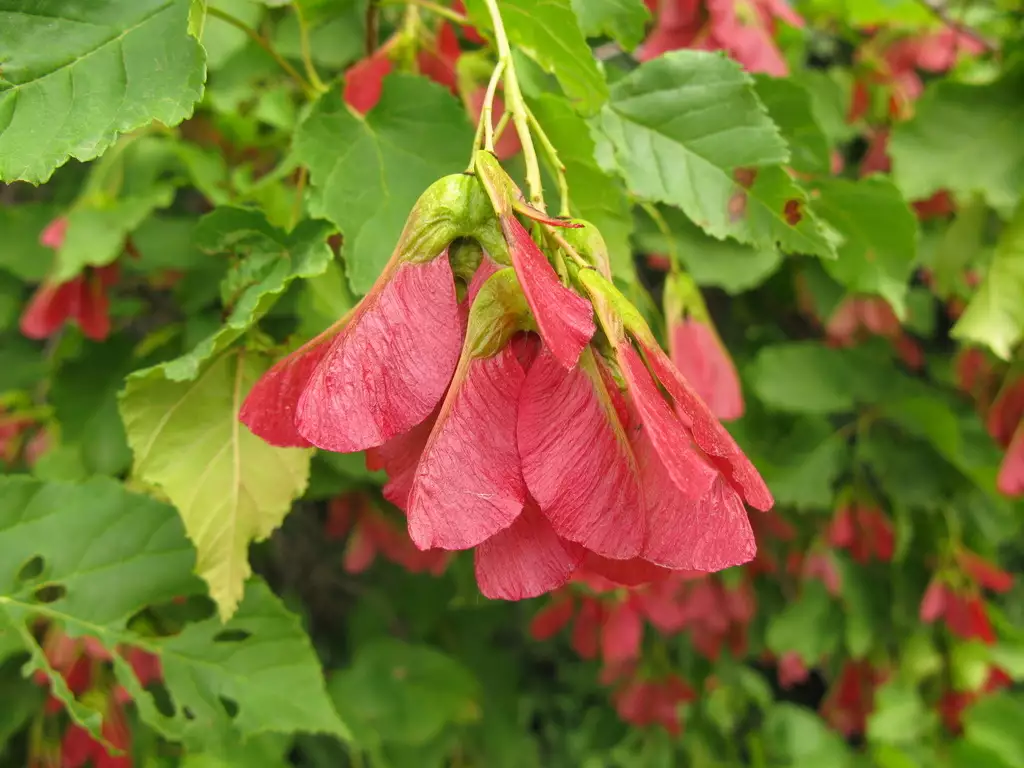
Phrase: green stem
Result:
[487,112]
[499,129]
[262,42]
[436,8]
[307,50]
[554,159]
[516,106]
[670,244]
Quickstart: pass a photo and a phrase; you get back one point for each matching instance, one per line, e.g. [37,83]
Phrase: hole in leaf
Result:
[31,570]
[792,212]
[230,706]
[231,636]
[50,593]
[162,699]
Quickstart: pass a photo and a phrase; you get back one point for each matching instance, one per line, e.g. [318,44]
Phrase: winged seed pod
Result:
[508,423]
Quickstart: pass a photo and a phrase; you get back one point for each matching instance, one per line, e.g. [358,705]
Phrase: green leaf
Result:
[811,625]
[230,487]
[96,233]
[829,91]
[548,32]
[595,195]
[960,246]
[865,600]
[624,21]
[808,377]
[724,264]
[990,163]
[969,665]
[789,106]
[682,124]
[222,40]
[995,316]
[798,738]
[249,661]
[106,553]
[370,171]
[21,364]
[395,692]
[84,397]
[994,724]
[271,261]
[900,716]
[878,234]
[21,253]
[802,468]
[70,85]
[23,699]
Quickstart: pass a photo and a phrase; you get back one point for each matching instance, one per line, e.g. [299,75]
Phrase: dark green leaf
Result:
[369,172]
[995,316]
[810,625]
[726,264]
[403,693]
[72,84]
[548,32]
[682,124]
[621,20]
[789,105]
[973,129]
[878,234]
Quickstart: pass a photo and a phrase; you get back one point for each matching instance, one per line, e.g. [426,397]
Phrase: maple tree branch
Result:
[307,52]
[263,43]
[938,10]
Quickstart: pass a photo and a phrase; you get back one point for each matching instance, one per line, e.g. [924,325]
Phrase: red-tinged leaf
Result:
[399,457]
[50,307]
[526,346]
[967,619]
[469,482]
[364,81]
[390,365]
[577,462]
[145,665]
[94,310]
[564,318]
[525,560]
[360,551]
[628,573]
[269,408]
[1010,481]
[341,515]
[77,747]
[984,573]
[484,270]
[792,670]
[933,604]
[748,39]
[1007,411]
[53,234]
[587,629]
[841,531]
[709,433]
[707,534]
[440,68]
[691,475]
[699,355]
[552,618]
[621,633]
[677,23]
